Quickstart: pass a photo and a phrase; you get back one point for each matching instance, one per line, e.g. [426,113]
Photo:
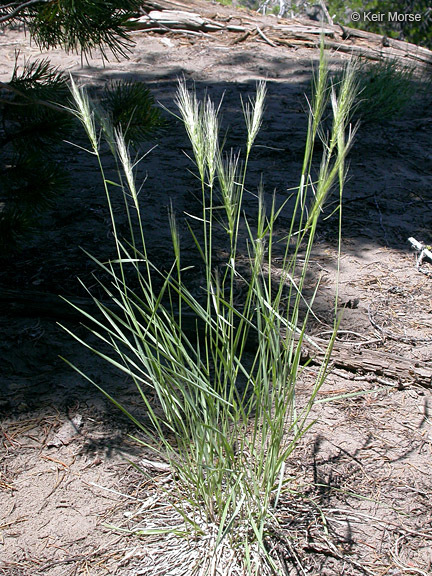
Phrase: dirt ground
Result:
[362,477]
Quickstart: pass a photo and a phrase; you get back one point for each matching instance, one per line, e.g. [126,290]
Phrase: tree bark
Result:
[383,364]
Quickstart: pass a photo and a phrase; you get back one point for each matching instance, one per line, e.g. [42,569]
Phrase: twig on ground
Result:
[6,486]
[391,336]
[396,559]
[79,557]
[241,38]
[346,557]
[371,377]
[264,37]
[354,342]
[9,524]
[59,480]
[424,250]
[291,551]
[116,492]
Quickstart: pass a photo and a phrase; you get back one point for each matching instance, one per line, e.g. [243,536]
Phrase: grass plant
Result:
[224,417]
[384,89]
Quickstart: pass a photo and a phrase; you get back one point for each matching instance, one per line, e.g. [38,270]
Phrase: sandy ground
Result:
[66,476]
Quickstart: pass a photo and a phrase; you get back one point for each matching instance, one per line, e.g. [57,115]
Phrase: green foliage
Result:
[130,107]
[33,120]
[31,106]
[33,125]
[417,32]
[79,25]
[385,89]
[223,415]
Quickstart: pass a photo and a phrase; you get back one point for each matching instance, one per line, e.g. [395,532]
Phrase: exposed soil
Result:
[363,473]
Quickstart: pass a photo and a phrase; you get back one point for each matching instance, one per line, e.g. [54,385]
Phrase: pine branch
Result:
[75,25]
[16,8]
[21,94]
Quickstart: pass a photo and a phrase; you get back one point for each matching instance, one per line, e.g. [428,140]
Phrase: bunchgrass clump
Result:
[224,417]
[385,88]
